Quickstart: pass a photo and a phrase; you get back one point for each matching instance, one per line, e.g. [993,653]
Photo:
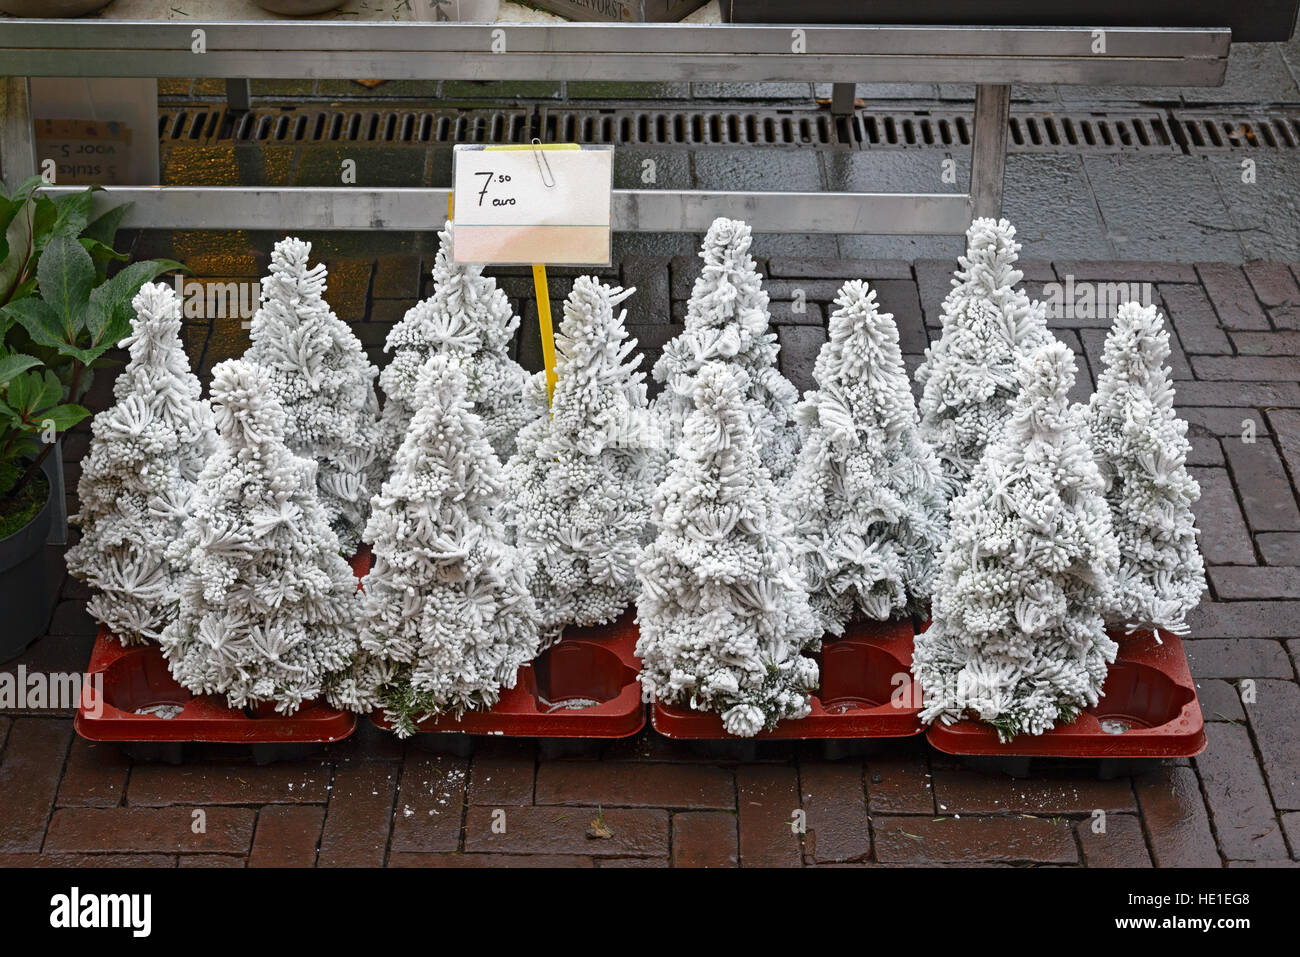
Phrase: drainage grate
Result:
[1030,132]
[871,129]
[1112,131]
[688,127]
[213,126]
[1212,132]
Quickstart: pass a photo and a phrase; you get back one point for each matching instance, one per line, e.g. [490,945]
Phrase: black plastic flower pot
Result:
[24,585]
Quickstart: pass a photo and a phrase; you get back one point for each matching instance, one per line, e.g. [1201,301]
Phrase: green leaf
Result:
[26,445]
[99,236]
[8,209]
[97,316]
[73,213]
[104,228]
[24,289]
[83,354]
[23,393]
[116,294]
[26,187]
[18,242]
[7,412]
[65,275]
[101,256]
[51,393]
[40,321]
[45,212]
[18,339]
[64,417]
[117,329]
[12,365]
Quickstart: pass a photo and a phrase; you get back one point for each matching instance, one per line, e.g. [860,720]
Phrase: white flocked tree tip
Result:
[447,619]
[1141,448]
[970,372]
[867,502]
[137,480]
[580,481]
[469,317]
[1018,638]
[723,609]
[320,373]
[727,319]
[267,607]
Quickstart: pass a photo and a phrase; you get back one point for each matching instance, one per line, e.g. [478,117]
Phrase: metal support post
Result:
[989,150]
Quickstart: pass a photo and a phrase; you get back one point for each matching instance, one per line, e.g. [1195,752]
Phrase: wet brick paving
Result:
[371,800]
[1223,259]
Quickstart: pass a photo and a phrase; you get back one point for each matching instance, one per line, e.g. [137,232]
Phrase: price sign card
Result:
[540,203]
[86,152]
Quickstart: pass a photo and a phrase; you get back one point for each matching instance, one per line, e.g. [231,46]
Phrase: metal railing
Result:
[992,58]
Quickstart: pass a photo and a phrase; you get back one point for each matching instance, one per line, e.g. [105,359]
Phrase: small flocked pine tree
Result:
[322,377]
[580,482]
[867,500]
[470,318]
[1141,448]
[1018,638]
[268,608]
[447,618]
[145,456]
[969,373]
[727,320]
[723,609]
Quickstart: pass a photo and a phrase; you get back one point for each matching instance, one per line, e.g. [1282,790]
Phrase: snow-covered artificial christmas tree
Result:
[727,320]
[1018,639]
[1141,448]
[467,316]
[322,377]
[867,501]
[268,608]
[447,617]
[580,481]
[146,453]
[970,372]
[723,609]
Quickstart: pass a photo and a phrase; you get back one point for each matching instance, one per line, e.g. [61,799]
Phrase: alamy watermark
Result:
[57,690]
[1092,300]
[208,299]
[78,909]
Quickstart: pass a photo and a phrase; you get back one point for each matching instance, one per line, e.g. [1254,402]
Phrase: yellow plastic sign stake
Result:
[539,283]
[544,322]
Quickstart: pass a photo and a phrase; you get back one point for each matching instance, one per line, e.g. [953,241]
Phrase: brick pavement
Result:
[372,800]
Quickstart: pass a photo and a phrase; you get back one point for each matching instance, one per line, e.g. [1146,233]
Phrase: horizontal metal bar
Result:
[143,36]
[688,211]
[636,52]
[636,210]
[636,68]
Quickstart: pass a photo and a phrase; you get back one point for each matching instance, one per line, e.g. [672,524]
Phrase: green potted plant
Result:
[60,312]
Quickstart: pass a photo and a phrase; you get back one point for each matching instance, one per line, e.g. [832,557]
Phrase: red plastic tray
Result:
[1149,688]
[866,692]
[137,676]
[588,664]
